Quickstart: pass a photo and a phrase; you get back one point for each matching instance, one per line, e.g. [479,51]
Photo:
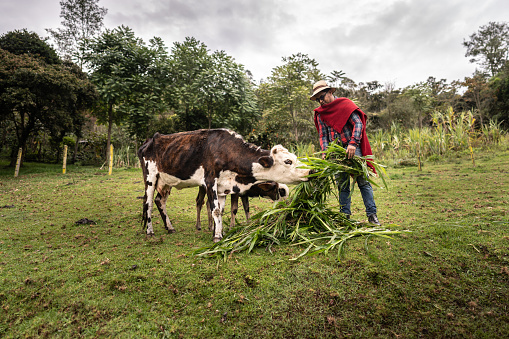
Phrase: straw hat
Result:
[318,87]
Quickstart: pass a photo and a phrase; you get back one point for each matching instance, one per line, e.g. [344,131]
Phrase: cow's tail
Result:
[144,217]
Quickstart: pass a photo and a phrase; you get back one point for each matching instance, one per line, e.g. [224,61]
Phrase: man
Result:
[340,119]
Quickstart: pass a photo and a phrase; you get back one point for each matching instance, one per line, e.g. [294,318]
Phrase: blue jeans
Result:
[364,186]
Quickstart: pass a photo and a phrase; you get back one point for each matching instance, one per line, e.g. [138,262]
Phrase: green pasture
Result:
[447,277]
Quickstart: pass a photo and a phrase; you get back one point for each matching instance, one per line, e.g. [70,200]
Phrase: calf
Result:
[270,189]
[217,159]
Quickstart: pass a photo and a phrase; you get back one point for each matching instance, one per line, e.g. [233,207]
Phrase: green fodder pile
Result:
[306,218]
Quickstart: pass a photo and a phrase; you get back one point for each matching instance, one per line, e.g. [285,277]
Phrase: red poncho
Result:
[336,113]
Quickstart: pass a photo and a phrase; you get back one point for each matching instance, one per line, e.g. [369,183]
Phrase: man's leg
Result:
[344,193]
[367,195]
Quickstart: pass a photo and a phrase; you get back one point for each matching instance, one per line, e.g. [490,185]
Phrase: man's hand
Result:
[350,151]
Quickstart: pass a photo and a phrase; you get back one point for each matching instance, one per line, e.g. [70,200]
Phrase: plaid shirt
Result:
[350,135]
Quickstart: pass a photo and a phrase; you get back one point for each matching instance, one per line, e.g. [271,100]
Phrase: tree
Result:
[420,96]
[82,20]
[285,97]
[187,61]
[130,78]
[489,47]
[210,89]
[21,42]
[227,94]
[389,96]
[345,87]
[444,94]
[37,96]
[500,87]
[479,95]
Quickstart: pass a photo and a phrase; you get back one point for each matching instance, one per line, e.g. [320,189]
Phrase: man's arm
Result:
[355,140]
[324,134]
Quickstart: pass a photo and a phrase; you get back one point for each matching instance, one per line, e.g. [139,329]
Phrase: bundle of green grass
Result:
[307,218]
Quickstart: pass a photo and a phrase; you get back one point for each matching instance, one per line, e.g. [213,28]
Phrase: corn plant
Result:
[492,132]
[125,157]
[450,132]
[306,218]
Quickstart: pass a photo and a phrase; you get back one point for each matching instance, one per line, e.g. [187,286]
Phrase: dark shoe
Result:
[373,219]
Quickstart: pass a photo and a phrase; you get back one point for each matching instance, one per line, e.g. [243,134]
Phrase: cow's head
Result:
[281,166]
[273,190]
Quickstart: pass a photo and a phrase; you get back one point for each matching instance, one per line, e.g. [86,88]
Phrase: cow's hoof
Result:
[172,230]
[198,228]
[216,239]
[150,234]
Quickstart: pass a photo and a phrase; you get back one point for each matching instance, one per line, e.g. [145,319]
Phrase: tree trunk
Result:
[477,96]
[22,141]
[209,113]
[75,150]
[110,124]
[294,122]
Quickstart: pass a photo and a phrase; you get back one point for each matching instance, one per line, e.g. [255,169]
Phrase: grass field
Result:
[448,277]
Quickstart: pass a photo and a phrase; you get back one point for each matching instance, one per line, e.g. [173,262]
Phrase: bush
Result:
[434,158]
[70,142]
[406,162]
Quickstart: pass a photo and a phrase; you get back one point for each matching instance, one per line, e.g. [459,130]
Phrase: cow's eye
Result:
[288,162]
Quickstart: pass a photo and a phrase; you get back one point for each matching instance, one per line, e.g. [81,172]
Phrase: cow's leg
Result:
[209,216]
[245,204]
[149,202]
[161,199]
[235,208]
[200,198]
[216,205]
[221,202]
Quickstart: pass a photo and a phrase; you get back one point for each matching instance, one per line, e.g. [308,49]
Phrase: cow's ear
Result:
[278,148]
[266,186]
[266,161]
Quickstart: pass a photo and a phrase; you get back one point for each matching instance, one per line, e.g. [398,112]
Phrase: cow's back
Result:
[182,154]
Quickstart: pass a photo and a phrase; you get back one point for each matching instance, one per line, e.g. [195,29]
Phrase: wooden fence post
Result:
[18,162]
[65,160]
[111,159]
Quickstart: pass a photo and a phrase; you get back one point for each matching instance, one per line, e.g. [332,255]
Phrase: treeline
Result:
[111,78]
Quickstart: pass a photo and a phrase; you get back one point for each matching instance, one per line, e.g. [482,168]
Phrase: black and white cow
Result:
[269,189]
[218,159]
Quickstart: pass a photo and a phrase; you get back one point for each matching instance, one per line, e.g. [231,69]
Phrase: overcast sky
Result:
[398,41]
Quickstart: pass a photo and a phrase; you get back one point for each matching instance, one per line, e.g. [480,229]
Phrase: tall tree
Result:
[479,95]
[130,78]
[21,42]
[188,60]
[489,47]
[227,94]
[500,87]
[37,96]
[422,101]
[285,96]
[82,20]
[210,89]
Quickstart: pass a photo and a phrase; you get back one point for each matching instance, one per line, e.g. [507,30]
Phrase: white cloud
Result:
[403,41]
